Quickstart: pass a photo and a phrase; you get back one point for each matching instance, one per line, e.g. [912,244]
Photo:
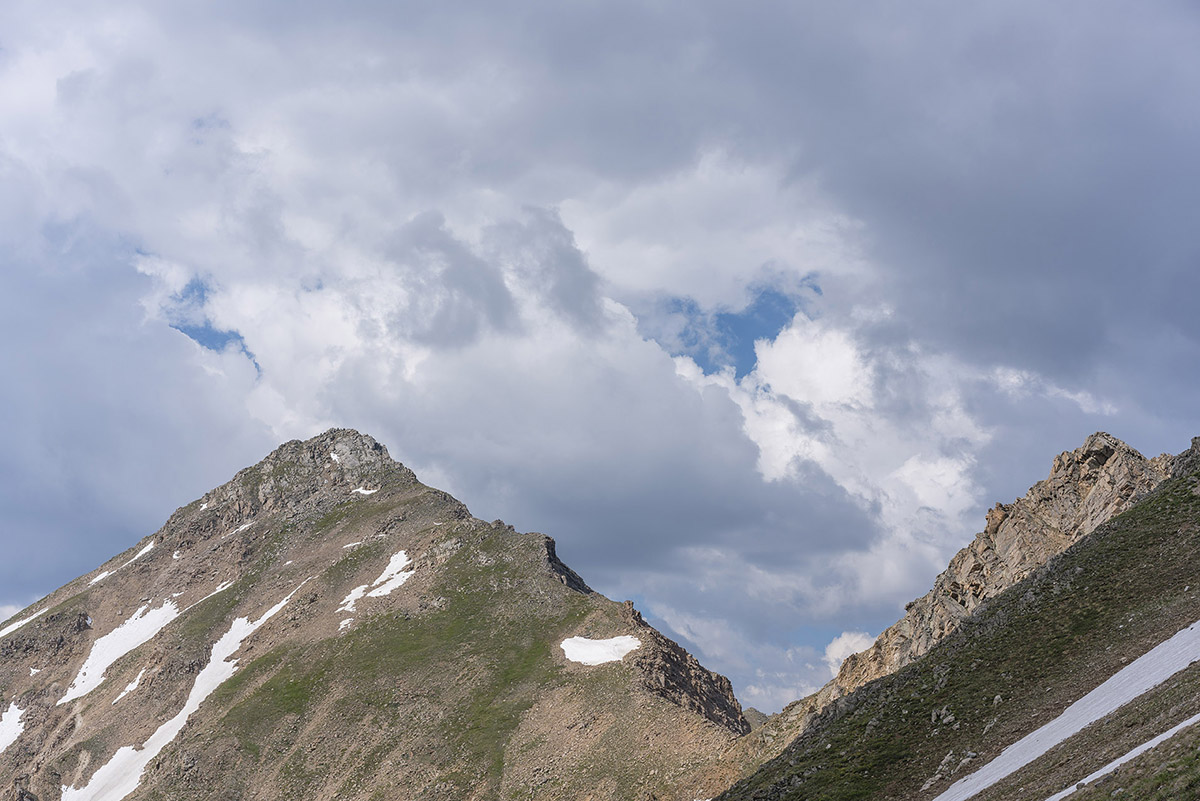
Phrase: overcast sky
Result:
[754,307]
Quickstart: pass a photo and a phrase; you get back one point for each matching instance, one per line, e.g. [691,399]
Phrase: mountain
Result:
[1081,669]
[325,626]
[1085,488]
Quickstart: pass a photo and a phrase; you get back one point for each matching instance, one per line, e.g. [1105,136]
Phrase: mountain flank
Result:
[325,626]
[1060,645]
[1086,487]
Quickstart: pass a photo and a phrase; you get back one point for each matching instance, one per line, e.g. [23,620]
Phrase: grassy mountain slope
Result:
[449,685]
[1013,666]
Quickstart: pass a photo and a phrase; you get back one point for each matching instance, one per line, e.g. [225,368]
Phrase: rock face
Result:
[1088,660]
[325,626]
[1086,487]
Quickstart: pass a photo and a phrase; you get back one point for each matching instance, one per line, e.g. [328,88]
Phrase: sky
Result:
[754,307]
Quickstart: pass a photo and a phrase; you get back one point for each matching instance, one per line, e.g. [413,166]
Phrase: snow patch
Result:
[11,726]
[34,671]
[9,629]
[138,629]
[175,555]
[392,577]
[1121,760]
[131,686]
[136,557]
[334,457]
[238,530]
[345,623]
[352,544]
[122,774]
[203,506]
[353,598]
[1142,674]
[364,491]
[597,652]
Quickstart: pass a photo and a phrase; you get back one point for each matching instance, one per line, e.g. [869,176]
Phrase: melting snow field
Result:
[392,577]
[122,774]
[10,726]
[364,491]
[115,644]
[1144,673]
[138,629]
[597,652]
[9,629]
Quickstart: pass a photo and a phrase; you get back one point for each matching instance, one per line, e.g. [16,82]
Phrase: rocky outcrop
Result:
[1086,487]
[669,671]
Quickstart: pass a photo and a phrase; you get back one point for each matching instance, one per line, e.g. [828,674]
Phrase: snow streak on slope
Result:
[1119,761]
[136,557]
[10,726]
[1151,669]
[139,628]
[135,631]
[597,652]
[9,629]
[392,577]
[131,686]
[122,774]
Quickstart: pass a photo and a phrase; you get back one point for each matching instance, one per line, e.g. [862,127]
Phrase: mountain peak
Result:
[324,625]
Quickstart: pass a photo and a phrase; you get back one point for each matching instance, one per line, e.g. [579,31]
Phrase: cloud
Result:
[531,252]
[842,646]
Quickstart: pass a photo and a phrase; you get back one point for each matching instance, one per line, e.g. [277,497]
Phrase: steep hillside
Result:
[325,626]
[1085,488]
[1047,683]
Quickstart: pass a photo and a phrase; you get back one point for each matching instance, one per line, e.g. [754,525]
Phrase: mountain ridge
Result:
[1024,657]
[391,645]
[1085,488]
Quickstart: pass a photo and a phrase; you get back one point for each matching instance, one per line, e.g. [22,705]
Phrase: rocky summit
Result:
[324,626]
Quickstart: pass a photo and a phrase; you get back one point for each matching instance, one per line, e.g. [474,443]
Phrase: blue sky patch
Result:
[187,316]
[721,339]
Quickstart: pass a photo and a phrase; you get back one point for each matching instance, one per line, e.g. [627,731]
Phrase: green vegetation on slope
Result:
[1014,666]
[483,661]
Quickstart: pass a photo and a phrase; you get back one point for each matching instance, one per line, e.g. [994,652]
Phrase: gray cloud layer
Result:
[483,234]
